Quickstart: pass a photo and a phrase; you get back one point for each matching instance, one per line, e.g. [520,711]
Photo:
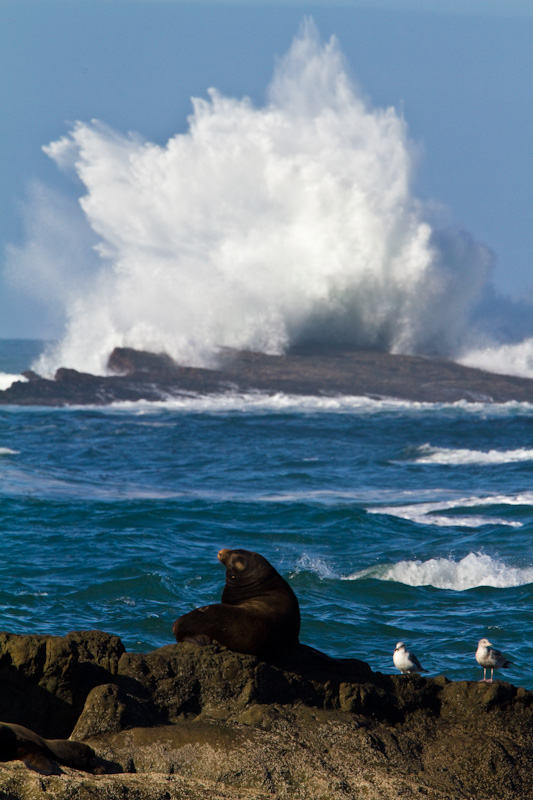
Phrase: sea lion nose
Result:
[222,554]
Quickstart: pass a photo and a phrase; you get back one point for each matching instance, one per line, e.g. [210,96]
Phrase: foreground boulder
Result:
[190,722]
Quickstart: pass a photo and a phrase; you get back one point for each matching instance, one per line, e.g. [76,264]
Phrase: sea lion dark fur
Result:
[17,742]
[258,613]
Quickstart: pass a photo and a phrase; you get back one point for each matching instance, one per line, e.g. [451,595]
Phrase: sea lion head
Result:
[244,567]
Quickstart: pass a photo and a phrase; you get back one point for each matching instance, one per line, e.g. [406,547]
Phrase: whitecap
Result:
[426,513]
[464,456]
[475,569]
[262,402]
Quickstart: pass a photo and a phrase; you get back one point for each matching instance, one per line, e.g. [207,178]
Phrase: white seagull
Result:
[406,661]
[487,656]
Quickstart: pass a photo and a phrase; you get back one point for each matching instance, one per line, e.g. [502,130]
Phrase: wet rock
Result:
[138,375]
[187,721]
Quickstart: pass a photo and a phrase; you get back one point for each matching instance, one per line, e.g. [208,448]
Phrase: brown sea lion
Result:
[17,742]
[258,612]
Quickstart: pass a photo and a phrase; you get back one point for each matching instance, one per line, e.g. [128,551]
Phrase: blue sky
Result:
[460,72]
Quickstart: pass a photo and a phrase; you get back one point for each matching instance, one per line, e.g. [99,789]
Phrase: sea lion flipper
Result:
[201,639]
[38,762]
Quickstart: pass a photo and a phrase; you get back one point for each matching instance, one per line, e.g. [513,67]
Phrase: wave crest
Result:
[460,456]
[470,572]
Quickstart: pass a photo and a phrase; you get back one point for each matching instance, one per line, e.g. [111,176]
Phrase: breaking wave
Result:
[261,228]
[460,456]
[470,572]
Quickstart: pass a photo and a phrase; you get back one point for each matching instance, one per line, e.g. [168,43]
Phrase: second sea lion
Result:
[18,742]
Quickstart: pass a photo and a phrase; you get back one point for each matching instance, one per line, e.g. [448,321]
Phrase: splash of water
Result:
[6,379]
[506,359]
[473,570]
[264,227]
[318,566]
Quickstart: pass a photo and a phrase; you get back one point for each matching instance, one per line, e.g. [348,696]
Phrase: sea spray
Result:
[260,228]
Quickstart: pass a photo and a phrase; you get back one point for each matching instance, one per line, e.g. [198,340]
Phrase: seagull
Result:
[487,657]
[406,661]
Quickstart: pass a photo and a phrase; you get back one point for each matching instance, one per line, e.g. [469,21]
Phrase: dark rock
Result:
[45,679]
[206,722]
[97,648]
[136,375]
[125,360]
[108,709]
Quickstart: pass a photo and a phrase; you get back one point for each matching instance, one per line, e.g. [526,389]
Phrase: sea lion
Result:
[258,613]
[17,742]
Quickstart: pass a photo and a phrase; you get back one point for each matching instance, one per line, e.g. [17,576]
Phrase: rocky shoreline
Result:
[136,375]
[204,722]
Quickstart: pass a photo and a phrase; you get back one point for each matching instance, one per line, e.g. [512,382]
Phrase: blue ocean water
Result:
[391,520]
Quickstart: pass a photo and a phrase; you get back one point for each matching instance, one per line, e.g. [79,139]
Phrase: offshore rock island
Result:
[195,722]
[135,375]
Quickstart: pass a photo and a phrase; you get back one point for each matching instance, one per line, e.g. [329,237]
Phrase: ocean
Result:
[390,520]
[258,228]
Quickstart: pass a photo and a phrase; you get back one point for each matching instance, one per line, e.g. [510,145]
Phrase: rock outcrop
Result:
[135,375]
[191,722]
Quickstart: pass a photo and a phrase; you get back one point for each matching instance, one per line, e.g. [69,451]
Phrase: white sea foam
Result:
[473,570]
[427,513]
[264,403]
[460,456]
[258,228]
[261,402]
[6,380]
[7,451]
